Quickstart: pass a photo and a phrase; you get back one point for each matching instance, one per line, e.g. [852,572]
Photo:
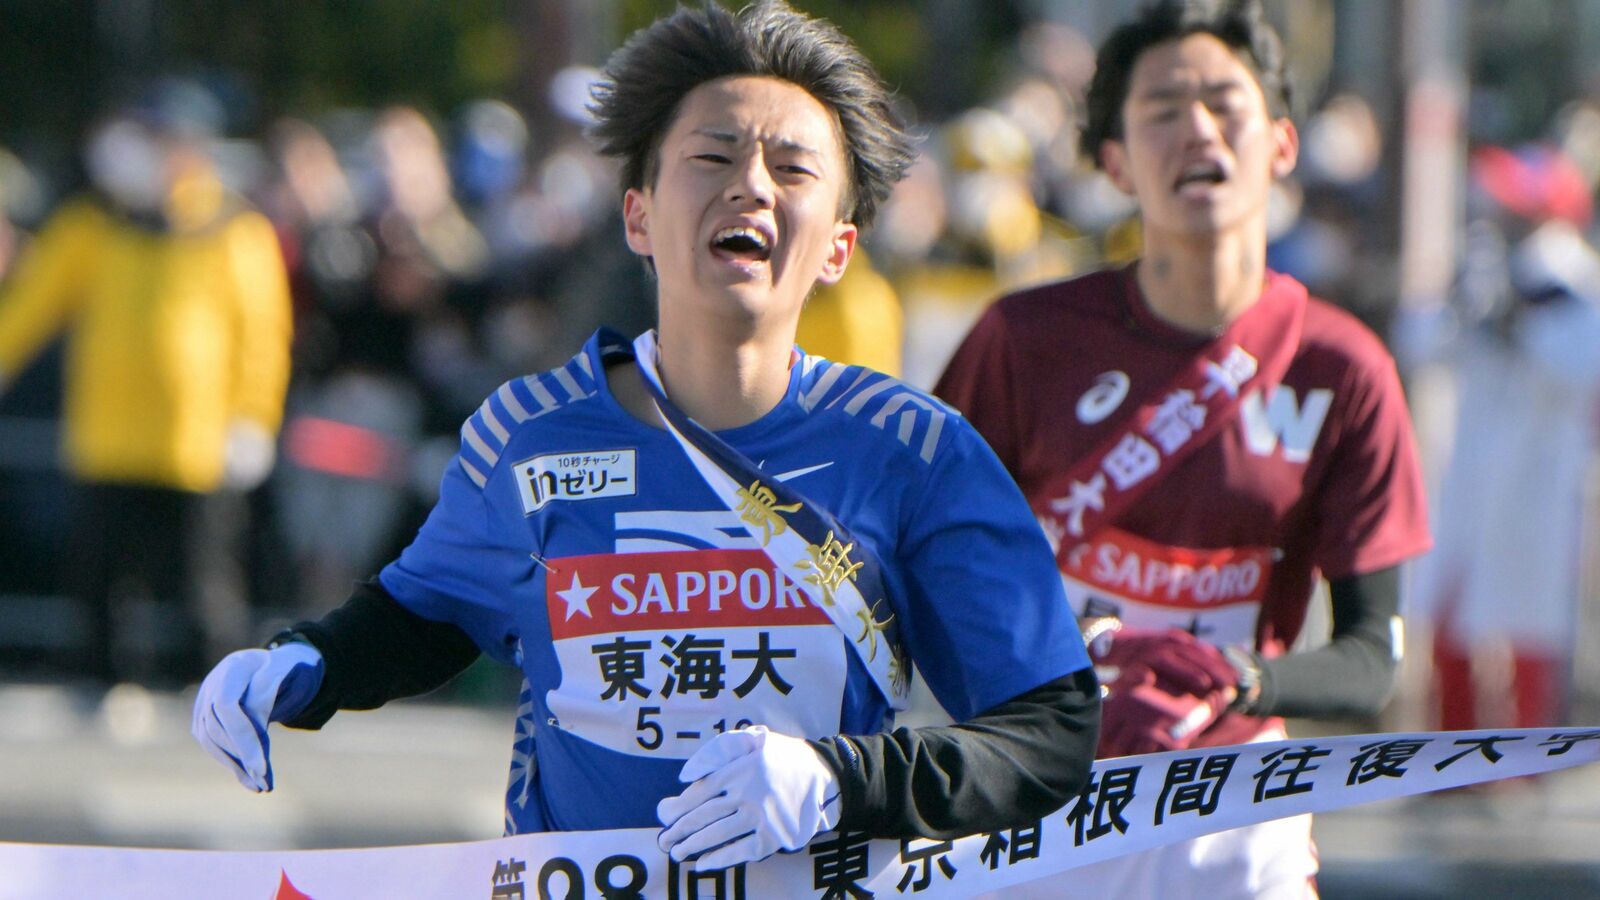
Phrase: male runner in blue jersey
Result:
[713,556]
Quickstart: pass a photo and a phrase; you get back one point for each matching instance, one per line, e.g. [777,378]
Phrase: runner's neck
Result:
[1202,286]
[719,383]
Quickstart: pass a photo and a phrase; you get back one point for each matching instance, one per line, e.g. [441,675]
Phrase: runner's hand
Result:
[754,792]
[1140,715]
[245,691]
[1181,662]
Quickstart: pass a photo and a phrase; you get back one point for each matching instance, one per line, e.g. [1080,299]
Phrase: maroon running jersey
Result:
[1317,474]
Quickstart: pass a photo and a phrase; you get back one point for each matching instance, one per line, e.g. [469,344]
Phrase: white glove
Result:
[248,455]
[245,691]
[754,792]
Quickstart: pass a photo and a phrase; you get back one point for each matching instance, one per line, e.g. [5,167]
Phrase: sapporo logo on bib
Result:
[1215,593]
[661,651]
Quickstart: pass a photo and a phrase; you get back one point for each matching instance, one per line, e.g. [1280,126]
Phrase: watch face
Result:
[1248,689]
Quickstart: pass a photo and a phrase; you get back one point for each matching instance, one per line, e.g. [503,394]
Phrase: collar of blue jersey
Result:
[841,575]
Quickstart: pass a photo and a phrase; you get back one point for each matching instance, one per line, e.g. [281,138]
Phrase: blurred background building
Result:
[443,226]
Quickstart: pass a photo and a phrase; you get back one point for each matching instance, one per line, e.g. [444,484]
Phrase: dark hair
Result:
[646,80]
[1238,23]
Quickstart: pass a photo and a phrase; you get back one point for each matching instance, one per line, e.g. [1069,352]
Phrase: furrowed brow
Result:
[797,147]
[1169,92]
[728,137]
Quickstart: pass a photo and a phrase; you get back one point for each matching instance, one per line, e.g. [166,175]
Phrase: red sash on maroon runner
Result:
[1150,442]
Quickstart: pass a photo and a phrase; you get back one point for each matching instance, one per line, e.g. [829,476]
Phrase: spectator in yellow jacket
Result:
[856,320]
[173,296]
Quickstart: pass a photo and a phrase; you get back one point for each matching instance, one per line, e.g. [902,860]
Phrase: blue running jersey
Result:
[580,544]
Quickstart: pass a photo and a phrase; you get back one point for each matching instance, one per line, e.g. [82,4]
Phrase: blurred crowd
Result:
[429,255]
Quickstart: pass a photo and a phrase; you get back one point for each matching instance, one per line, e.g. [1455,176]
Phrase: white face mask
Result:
[126,163]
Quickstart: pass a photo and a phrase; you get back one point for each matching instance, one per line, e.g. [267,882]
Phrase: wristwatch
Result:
[1247,692]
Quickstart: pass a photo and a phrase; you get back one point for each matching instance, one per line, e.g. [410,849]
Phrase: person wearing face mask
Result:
[173,298]
[714,557]
[1203,442]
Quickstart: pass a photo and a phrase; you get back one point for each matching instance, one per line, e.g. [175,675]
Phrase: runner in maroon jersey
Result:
[1202,440]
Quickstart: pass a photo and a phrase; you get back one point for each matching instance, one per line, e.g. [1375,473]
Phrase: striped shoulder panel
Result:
[486,432]
[916,419]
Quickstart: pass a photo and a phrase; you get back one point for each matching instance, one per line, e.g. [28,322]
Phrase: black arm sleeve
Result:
[374,650]
[1003,768]
[1354,673]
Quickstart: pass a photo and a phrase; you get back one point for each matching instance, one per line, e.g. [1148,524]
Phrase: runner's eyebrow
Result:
[1178,91]
[728,137]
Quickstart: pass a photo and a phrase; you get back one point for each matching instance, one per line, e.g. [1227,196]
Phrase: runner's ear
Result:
[636,221]
[1114,160]
[1286,151]
[840,249]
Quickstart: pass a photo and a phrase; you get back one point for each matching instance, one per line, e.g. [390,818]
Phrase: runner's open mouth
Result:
[742,242]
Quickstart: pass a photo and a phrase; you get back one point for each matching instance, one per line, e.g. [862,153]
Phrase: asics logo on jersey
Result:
[1283,421]
[1103,397]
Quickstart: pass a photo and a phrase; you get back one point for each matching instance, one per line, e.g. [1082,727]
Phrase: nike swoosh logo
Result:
[796,473]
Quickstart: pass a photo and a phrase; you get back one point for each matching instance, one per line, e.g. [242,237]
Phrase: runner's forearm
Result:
[374,650]
[1354,674]
[1004,767]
